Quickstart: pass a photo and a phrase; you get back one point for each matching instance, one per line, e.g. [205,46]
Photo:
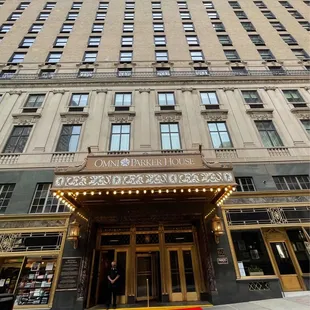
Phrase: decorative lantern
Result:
[217,228]
[74,233]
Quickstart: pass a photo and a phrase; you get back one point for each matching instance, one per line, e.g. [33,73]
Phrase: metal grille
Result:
[147,239]
[259,286]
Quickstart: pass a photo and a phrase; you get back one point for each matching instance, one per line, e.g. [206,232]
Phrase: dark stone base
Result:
[131,299]
[66,300]
[205,297]
[165,298]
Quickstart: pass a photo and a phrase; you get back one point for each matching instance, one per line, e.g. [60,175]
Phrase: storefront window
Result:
[252,256]
[36,280]
[301,247]
[9,272]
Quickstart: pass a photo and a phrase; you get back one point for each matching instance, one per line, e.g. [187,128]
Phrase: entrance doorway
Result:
[183,274]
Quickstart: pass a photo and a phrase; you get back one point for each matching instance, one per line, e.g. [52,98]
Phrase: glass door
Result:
[286,269]
[182,269]
[144,276]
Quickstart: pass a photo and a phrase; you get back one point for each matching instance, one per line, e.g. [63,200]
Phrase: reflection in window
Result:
[175,273]
[120,137]
[69,138]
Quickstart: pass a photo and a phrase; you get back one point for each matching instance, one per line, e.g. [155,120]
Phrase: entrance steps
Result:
[296,294]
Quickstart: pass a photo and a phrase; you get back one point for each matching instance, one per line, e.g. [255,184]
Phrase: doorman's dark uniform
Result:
[113,288]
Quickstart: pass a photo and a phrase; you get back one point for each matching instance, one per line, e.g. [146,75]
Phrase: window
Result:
[166,101]
[158,27]
[182,4]
[234,4]
[129,5]
[129,15]
[44,202]
[124,72]
[72,16]
[292,182]
[86,73]
[188,27]
[268,14]
[127,41]
[5,28]
[69,138]
[306,124]
[218,27]
[76,5]
[66,28]
[90,57]
[97,28]
[49,5]
[231,55]
[100,16]
[268,134]
[103,5]
[248,26]
[219,135]
[296,14]
[278,26]
[23,6]
[163,71]
[266,55]
[15,16]
[7,74]
[78,102]
[170,136]
[18,139]
[260,4]
[192,40]
[94,41]
[128,27]
[33,102]
[185,15]
[245,184]
[213,15]
[300,53]
[286,4]
[241,15]
[161,56]
[224,40]
[156,5]
[209,99]
[157,15]
[6,191]
[305,25]
[122,101]
[160,40]
[307,2]
[252,98]
[196,55]
[43,16]
[17,58]
[208,4]
[277,70]
[257,39]
[239,70]
[201,71]
[47,74]
[61,42]
[288,39]
[293,96]
[54,57]
[36,28]
[120,137]
[126,56]
[27,42]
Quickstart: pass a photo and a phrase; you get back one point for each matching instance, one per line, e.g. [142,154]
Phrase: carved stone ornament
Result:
[260,115]
[307,88]
[15,92]
[183,90]
[8,242]
[25,118]
[144,90]
[102,90]
[215,115]
[228,88]
[73,118]
[58,91]
[168,117]
[32,223]
[121,117]
[269,88]
[303,116]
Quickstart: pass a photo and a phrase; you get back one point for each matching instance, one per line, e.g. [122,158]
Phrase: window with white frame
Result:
[34,101]
[192,40]
[90,57]
[61,42]
[122,101]
[185,15]
[188,27]
[101,15]
[76,5]
[6,192]
[292,182]
[17,58]
[170,136]
[69,138]
[66,28]
[268,134]
[27,42]
[94,41]
[160,40]
[129,15]
[17,139]
[5,28]
[126,56]
[161,56]
[252,98]
[127,41]
[182,4]
[97,28]
[208,4]
[72,16]
[120,138]
[213,15]
[15,16]
[43,16]
[156,5]
[128,27]
[103,5]
[245,184]
[157,15]
[209,99]
[294,97]
[129,5]
[219,135]
[54,57]
[158,27]
[218,27]
[196,55]
[36,28]
[166,99]
[78,102]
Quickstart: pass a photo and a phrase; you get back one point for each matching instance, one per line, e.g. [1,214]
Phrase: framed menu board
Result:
[69,273]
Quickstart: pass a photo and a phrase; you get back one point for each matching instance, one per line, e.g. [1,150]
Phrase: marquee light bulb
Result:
[152,191]
[196,190]
[204,190]
[211,189]
[129,192]
[189,190]
[174,190]
[114,192]
[182,190]
[92,193]
[122,192]
[99,193]
[167,191]
[77,193]
[144,191]
[159,191]
[137,192]
[218,189]
[57,196]
[54,194]
[107,193]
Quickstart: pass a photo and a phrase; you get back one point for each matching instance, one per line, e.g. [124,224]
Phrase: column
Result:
[163,264]
[105,126]
[132,267]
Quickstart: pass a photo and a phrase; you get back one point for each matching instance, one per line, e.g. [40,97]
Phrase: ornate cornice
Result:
[260,114]
[25,118]
[168,116]
[58,91]
[73,117]
[215,115]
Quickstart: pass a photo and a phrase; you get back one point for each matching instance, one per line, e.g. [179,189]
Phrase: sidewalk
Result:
[288,303]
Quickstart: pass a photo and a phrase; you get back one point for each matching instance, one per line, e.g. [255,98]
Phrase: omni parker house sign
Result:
[143,171]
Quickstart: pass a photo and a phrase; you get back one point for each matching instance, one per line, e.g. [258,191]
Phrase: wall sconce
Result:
[74,233]
[217,228]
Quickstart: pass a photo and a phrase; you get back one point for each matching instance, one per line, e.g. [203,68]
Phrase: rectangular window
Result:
[6,191]
[5,28]
[7,74]
[69,138]
[23,6]
[103,5]
[305,25]
[260,4]
[257,39]
[129,16]
[286,4]
[72,16]
[157,15]
[245,184]
[306,124]
[124,72]
[266,55]
[163,71]
[201,71]
[76,5]
[268,14]
[192,40]
[127,41]
[170,136]
[33,102]
[27,42]
[128,27]
[268,134]
[196,55]
[18,139]
[241,15]
[158,27]
[122,101]
[219,135]
[90,57]
[293,96]
[231,55]
[129,5]
[94,41]
[166,100]
[61,42]
[161,56]
[46,73]
[208,4]
[49,5]
[44,202]
[224,40]
[43,16]
[86,73]
[97,28]
[252,98]
[17,58]
[156,5]
[160,40]
[120,137]
[218,27]
[248,26]
[296,14]
[213,15]
[100,16]
[209,99]
[15,16]
[66,28]
[234,4]
[293,182]
[278,26]
[78,102]
[239,70]
[54,57]
[288,39]
[300,53]
[182,4]
[185,15]
[126,56]
[188,27]
[36,28]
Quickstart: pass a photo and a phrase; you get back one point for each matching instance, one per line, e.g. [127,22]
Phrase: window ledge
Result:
[21,115]
[77,113]
[73,117]
[214,111]
[260,113]
[26,118]
[303,109]
[214,115]
[249,278]
[120,113]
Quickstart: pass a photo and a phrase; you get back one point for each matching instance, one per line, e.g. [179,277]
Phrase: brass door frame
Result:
[184,294]
[123,298]
[279,235]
